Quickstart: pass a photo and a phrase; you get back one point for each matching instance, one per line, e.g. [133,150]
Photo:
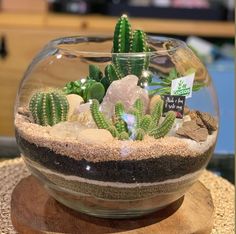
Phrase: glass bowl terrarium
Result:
[116,134]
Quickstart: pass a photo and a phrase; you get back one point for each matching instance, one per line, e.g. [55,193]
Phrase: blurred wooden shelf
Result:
[100,23]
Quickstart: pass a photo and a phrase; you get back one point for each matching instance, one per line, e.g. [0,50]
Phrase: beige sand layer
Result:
[115,150]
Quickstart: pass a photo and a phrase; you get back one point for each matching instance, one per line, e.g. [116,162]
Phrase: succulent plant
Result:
[164,86]
[144,124]
[86,88]
[49,108]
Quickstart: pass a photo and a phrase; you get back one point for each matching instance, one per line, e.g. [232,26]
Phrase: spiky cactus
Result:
[126,41]
[49,108]
[111,73]
[139,44]
[98,116]
[95,73]
[139,135]
[144,124]
[157,111]
[165,126]
[123,136]
[122,36]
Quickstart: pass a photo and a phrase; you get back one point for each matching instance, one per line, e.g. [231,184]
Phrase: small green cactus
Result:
[144,124]
[113,131]
[121,126]
[165,126]
[119,110]
[157,111]
[140,133]
[123,136]
[49,108]
[138,105]
[98,116]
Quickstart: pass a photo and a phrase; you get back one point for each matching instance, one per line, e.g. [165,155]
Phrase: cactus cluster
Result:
[49,108]
[142,124]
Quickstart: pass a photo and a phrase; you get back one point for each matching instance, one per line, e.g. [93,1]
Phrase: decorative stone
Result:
[186,110]
[153,102]
[95,136]
[204,120]
[84,107]
[191,130]
[209,121]
[125,90]
[74,103]
[85,118]
[194,116]
[66,129]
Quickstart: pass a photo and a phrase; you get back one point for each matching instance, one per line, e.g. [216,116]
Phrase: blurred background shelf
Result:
[101,24]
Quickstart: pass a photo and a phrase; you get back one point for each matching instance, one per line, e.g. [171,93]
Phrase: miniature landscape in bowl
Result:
[118,126]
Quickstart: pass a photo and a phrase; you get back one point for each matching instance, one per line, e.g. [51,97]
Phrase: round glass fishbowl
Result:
[116,134]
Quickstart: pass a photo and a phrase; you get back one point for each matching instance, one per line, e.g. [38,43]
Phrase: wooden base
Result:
[34,211]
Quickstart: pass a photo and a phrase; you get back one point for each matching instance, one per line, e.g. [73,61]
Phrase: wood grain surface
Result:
[34,211]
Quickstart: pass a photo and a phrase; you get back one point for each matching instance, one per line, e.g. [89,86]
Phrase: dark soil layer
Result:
[126,171]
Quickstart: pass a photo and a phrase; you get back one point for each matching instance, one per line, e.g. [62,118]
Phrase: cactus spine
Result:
[49,108]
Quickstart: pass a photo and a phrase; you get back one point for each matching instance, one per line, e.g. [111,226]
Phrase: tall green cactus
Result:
[49,108]
[126,41]
[122,36]
[139,44]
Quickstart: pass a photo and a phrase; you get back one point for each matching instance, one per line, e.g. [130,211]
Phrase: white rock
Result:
[95,136]
[74,103]
[64,130]
[125,90]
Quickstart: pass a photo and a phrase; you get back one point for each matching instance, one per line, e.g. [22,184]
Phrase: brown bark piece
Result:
[209,121]
[192,130]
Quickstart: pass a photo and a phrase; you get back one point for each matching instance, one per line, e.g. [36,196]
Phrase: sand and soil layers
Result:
[139,162]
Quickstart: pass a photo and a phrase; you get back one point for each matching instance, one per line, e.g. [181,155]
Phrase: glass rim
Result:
[72,40]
